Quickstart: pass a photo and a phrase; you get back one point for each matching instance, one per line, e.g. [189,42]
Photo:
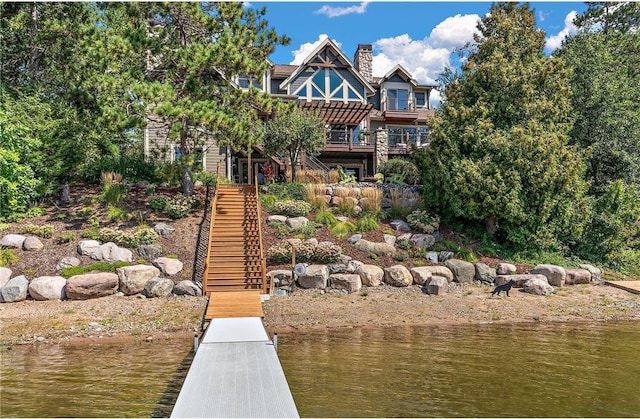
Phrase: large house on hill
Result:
[367,119]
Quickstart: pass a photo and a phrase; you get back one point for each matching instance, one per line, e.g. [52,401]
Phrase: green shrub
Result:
[65,238]
[93,222]
[85,212]
[325,218]
[207,178]
[145,235]
[307,231]
[366,223]
[35,212]
[7,257]
[401,256]
[305,252]
[268,201]
[113,193]
[327,253]
[169,173]
[347,207]
[280,229]
[342,229]
[42,231]
[423,221]
[292,208]
[116,214]
[158,203]
[399,171]
[180,205]
[133,168]
[404,244]
[295,191]
[280,253]
[99,266]
[467,254]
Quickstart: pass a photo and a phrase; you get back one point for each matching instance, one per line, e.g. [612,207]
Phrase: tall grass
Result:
[371,200]
[315,195]
[403,201]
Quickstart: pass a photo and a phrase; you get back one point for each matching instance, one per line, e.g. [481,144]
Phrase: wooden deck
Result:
[631,286]
[234,304]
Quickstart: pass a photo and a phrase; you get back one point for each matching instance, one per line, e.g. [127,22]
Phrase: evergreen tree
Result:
[499,148]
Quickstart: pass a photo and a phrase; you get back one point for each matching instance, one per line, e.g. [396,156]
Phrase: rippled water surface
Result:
[563,370]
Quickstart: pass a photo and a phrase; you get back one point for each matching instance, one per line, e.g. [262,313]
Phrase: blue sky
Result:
[421,36]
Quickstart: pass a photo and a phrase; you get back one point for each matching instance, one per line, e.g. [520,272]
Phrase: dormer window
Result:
[398,99]
[421,99]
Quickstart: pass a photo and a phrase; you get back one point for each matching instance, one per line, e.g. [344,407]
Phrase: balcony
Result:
[346,140]
[400,110]
[401,143]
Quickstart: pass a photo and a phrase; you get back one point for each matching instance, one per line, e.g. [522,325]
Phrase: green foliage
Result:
[279,253]
[268,202]
[116,214]
[467,254]
[45,231]
[423,221]
[7,257]
[133,168]
[169,173]
[158,204]
[404,244]
[307,231]
[282,191]
[142,235]
[93,222]
[85,212]
[398,170]
[325,218]
[292,208]
[499,144]
[342,229]
[64,238]
[305,252]
[207,178]
[401,256]
[343,177]
[99,266]
[180,205]
[327,253]
[113,193]
[35,212]
[366,223]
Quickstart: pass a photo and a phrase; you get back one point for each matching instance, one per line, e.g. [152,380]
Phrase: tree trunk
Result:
[64,195]
[187,181]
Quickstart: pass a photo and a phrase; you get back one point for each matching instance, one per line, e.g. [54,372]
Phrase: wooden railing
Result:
[214,202]
[263,265]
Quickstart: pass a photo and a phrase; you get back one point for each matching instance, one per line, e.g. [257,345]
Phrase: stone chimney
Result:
[363,61]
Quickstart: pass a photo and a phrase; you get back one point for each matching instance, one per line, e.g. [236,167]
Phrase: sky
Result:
[422,36]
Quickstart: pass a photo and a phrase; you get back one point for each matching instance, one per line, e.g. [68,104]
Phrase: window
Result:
[398,99]
[247,81]
[401,136]
[421,99]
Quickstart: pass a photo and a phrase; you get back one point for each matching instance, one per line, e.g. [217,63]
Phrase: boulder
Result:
[276,219]
[379,248]
[353,265]
[337,268]
[112,253]
[344,259]
[15,290]
[518,279]
[431,257]
[32,243]
[437,285]
[134,278]
[404,238]
[67,262]
[168,266]
[538,285]
[150,251]
[389,239]
[87,247]
[485,273]
[163,229]
[353,239]
[400,225]
[187,287]
[48,288]
[577,276]
[506,269]
[5,275]
[422,240]
[596,274]
[463,271]
[281,276]
[158,287]
[297,222]
[556,275]
[423,274]
[93,285]
[13,240]
[370,275]
[349,282]
[317,276]
[445,255]
[397,276]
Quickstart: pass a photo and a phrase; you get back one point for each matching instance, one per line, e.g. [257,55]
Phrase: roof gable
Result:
[401,72]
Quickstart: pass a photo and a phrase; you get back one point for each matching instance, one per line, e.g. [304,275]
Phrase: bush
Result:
[116,214]
[401,256]
[423,221]
[400,171]
[7,257]
[305,252]
[295,191]
[158,204]
[325,218]
[366,223]
[85,212]
[467,254]
[35,212]
[145,235]
[42,231]
[268,201]
[180,205]
[280,253]
[99,266]
[327,253]
[292,208]
[342,229]
[112,193]
[65,238]
[133,168]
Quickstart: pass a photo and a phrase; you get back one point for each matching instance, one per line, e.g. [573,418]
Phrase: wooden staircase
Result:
[235,260]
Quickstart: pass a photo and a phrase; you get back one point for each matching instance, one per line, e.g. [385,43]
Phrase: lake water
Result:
[523,370]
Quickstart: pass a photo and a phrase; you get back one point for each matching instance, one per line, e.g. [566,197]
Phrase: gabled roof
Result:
[314,53]
[282,70]
[400,71]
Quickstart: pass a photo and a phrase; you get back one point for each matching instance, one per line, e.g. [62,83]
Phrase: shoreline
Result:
[123,320]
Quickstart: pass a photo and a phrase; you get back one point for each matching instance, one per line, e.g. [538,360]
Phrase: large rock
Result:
[281,277]
[422,240]
[15,290]
[187,287]
[168,266]
[317,276]
[134,278]
[518,279]
[276,219]
[337,268]
[93,285]
[158,287]
[485,273]
[353,265]
[423,274]
[556,275]
[437,285]
[349,282]
[32,243]
[506,269]
[297,222]
[538,285]
[577,276]
[67,262]
[398,276]
[370,275]
[463,271]
[379,248]
[13,240]
[48,288]
[431,257]
[90,248]
[445,255]
[112,253]
[389,239]
[354,239]
[163,229]
[596,273]
[150,251]
[400,225]
[5,275]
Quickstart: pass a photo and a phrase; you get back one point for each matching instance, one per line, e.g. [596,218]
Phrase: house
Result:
[367,119]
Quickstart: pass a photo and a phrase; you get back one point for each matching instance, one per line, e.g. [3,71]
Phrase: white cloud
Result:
[305,49]
[342,11]
[555,41]
[454,31]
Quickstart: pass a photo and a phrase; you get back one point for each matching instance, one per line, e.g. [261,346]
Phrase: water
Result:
[560,370]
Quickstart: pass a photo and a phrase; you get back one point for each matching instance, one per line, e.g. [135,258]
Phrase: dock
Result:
[630,286]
